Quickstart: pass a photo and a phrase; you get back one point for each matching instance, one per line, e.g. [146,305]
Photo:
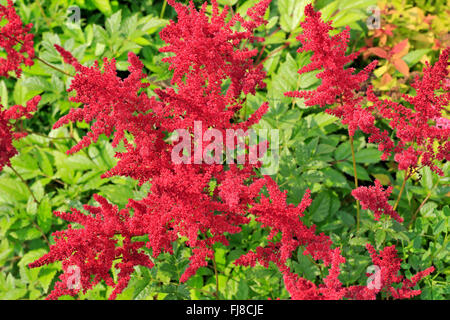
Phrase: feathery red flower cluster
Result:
[386,278]
[179,204]
[94,248]
[16,40]
[376,198]
[274,213]
[7,135]
[423,137]
[303,289]
[339,86]
[417,129]
[207,52]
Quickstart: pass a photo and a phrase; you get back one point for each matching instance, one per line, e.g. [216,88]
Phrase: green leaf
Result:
[44,163]
[368,156]
[335,179]
[328,10]
[347,17]
[44,215]
[242,290]
[427,178]
[428,210]
[285,79]
[46,276]
[291,12]
[99,49]
[347,168]
[343,151]
[346,217]
[104,6]
[413,57]
[12,189]
[358,241]
[38,84]
[441,226]
[79,162]
[227,2]
[4,94]
[380,236]
[113,23]
[320,207]
[26,234]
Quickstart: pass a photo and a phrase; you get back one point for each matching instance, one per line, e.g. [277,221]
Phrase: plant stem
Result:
[26,184]
[163,9]
[47,20]
[316,264]
[422,204]
[356,180]
[42,232]
[39,59]
[401,189]
[45,136]
[217,276]
[53,67]
[273,52]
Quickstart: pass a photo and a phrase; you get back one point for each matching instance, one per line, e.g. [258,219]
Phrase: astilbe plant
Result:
[376,199]
[420,135]
[206,53]
[179,203]
[8,133]
[94,248]
[419,125]
[16,40]
[18,45]
[338,91]
[388,275]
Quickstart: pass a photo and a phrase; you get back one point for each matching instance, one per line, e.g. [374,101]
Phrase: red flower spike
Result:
[93,249]
[7,135]
[376,198]
[423,140]
[338,89]
[16,40]
[387,266]
[206,53]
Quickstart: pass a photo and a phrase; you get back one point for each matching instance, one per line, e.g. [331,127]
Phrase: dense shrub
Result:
[152,227]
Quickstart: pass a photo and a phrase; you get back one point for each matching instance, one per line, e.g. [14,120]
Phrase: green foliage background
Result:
[315,154]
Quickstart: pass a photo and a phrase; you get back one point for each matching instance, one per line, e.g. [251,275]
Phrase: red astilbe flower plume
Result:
[7,150]
[375,198]
[210,47]
[7,135]
[328,56]
[279,217]
[386,278]
[109,102]
[16,40]
[339,85]
[274,213]
[206,53]
[106,236]
[422,139]
[303,289]
[179,203]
